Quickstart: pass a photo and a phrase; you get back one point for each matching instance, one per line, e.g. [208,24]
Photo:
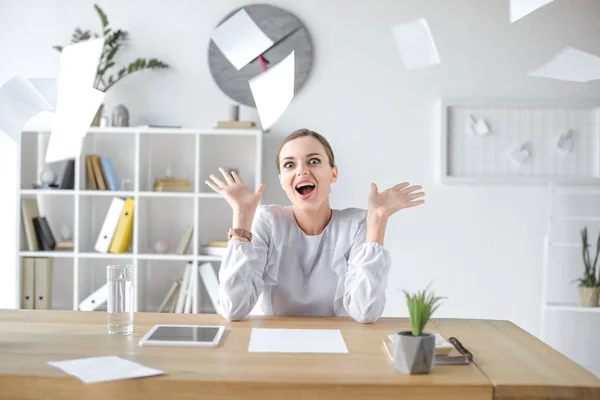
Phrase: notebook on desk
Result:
[447,352]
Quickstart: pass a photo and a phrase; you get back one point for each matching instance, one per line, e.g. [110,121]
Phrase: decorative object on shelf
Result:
[278,33]
[520,154]
[479,127]
[120,116]
[65,233]
[414,350]
[234,112]
[113,40]
[48,177]
[565,141]
[589,283]
[161,246]
[104,121]
[126,184]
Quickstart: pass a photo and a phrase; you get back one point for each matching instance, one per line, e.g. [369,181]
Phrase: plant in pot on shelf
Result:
[114,40]
[414,350]
[589,283]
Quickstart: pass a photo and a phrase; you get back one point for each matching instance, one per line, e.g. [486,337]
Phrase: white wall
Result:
[482,246]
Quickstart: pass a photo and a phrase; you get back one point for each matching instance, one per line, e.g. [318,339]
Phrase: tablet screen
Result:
[184,333]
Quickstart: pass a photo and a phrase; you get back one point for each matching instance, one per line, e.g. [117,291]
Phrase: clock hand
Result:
[287,35]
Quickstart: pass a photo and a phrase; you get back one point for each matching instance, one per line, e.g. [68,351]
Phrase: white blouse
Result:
[333,273]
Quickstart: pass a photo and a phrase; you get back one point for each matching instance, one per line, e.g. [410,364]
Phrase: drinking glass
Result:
[120,299]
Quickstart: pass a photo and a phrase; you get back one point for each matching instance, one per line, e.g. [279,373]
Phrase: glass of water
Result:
[120,299]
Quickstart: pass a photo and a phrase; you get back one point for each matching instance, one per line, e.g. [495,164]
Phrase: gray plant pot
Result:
[413,354]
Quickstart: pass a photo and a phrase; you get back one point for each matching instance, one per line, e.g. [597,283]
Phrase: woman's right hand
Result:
[235,192]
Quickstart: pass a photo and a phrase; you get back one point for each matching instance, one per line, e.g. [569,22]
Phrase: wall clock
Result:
[287,33]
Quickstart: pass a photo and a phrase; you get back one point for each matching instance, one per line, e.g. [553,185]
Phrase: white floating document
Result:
[415,44]
[522,8]
[103,369]
[296,341]
[77,101]
[570,64]
[20,101]
[240,39]
[273,91]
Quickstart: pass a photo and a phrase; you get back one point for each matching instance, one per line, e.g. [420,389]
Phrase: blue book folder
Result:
[112,180]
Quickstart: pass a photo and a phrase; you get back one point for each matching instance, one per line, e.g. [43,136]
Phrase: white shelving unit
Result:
[141,154]
[468,157]
[566,325]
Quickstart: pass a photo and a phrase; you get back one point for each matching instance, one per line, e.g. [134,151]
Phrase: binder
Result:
[185,283]
[109,226]
[185,241]
[110,174]
[30,210]
[170,295]
[89,168]
[68,179]
[27,283]
[43,284]
[211,284]
[124,231]
[95,300]
[45,237]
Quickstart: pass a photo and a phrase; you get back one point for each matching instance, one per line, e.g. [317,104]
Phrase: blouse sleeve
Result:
[242,270]
[366,278]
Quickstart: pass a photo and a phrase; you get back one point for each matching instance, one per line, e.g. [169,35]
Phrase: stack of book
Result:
[172,185]
[101,173]
[236,125]
[38,233]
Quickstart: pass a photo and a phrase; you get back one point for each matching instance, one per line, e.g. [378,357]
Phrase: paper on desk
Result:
[240,39]
[522,8]
[296,341]
[415,44]
[77,101]
[20,101]
[273,90]
[103,369]
[570,64]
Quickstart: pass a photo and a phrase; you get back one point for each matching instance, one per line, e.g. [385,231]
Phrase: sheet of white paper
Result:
[77,101]
[570,65]
[103,369]
[78,66]
[273,91]
[296,341]
[415,44]
[20,101]
[240,39]
[48,88]
[74,116]
[522,8]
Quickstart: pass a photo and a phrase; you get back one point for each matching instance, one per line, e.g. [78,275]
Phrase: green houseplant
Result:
[414,350]
[589,283]
[114,40]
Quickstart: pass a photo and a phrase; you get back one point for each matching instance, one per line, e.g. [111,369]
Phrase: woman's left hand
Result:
[384,204]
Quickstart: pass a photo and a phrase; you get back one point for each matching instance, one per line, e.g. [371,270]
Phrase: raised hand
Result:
[240,198]
[389,201]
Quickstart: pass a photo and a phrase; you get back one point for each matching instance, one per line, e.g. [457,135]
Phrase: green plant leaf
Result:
[102,16]
[421,306]
[59,48]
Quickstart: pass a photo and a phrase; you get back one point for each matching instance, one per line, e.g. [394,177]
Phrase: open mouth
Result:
[305,188]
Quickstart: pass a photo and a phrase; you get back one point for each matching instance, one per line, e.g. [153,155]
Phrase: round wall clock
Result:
[288,34]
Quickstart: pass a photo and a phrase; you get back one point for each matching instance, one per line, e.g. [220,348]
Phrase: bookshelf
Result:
[140,155]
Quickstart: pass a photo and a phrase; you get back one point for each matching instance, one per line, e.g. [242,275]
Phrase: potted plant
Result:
[589,283]
[113,41]
[414,350]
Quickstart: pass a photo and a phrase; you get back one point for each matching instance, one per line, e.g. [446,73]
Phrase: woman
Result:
[306,259]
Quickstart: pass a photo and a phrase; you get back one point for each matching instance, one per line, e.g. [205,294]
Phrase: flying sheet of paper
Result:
[415,44]
[570,65]
[77,101]
[522,8]
[296,341]
[20,101]
[273,90]
[240,39]
[72,123]
[103,369]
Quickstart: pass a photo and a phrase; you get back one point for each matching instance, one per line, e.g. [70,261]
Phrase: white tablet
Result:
[183,335]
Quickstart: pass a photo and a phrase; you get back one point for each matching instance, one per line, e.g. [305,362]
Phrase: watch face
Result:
[287,33]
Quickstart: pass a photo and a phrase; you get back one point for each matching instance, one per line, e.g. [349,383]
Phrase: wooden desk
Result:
[30,338]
